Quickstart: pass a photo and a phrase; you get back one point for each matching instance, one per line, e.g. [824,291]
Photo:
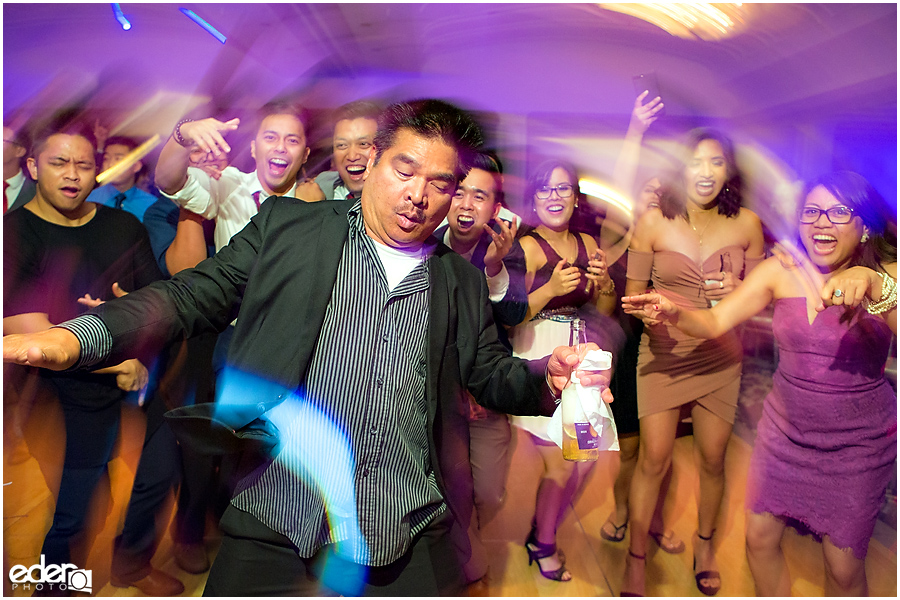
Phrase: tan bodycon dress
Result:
[674,368]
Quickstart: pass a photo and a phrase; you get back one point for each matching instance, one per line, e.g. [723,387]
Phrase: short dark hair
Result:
[360,109]
[541,177]
[673,197]
[20,135]
[855,192]
[432,119]
[284,107]
[487,160]
[121,140]
[65,127]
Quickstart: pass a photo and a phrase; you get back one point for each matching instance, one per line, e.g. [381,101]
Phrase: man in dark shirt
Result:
[363,333]
[51,259]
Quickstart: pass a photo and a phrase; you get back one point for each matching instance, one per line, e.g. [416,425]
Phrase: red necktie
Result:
[5,201]
[256,199]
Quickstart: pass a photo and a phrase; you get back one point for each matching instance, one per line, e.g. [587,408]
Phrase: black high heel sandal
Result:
[709,590]
[624,594]
[540,551]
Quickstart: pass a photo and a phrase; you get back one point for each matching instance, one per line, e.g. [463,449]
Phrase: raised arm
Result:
[625,170]
[174,159]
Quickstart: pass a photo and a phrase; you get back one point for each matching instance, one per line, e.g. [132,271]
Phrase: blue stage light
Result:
[196,19]
[117,11]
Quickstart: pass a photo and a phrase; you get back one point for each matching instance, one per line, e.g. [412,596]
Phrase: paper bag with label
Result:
[596,411]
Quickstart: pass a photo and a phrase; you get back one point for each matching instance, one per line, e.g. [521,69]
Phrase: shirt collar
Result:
[17,179]
[340,191]
[256,186]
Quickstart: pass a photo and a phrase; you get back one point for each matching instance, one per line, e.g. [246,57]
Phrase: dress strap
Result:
[548,250]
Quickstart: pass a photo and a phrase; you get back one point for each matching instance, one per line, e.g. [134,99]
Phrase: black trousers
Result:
[254,560]
[158,472]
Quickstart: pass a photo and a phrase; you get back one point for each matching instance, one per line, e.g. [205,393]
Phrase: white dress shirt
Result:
[228,200]
[15,186]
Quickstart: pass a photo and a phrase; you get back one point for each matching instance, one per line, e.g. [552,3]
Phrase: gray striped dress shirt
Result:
[366,379]
[354,467]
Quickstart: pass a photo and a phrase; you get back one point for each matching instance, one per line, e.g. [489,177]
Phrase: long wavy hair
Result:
[673,196]
[856,193]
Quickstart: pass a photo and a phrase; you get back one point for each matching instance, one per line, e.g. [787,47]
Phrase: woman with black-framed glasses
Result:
[826,442]
[567,278]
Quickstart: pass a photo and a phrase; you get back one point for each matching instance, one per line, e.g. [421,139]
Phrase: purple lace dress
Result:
[826,443]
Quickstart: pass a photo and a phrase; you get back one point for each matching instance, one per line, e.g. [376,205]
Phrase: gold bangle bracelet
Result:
[609,290]
[888,298]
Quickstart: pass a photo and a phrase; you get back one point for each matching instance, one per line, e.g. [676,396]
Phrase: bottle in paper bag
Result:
[580,441]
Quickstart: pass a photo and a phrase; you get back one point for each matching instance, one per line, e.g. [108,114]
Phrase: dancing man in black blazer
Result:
[364,334]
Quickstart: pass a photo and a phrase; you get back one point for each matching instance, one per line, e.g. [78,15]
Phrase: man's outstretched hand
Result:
[559,369]
[54,349]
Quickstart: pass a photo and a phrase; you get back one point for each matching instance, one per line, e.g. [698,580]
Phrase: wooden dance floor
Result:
[596,565]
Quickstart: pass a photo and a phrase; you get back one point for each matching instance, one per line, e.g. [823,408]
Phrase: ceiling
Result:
[513,58]
[795,65]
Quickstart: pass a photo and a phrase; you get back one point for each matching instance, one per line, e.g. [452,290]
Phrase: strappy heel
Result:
[624,594]
[709,590]
[537,551]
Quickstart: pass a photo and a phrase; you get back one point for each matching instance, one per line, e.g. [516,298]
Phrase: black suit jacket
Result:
[280,270]
[26,194]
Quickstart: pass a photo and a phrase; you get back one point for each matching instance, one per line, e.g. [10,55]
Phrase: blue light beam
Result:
[199,21]
[117,11]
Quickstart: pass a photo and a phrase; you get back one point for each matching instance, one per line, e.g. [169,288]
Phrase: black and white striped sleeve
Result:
[93,337]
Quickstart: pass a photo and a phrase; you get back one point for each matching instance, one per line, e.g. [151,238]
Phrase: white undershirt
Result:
[399,263]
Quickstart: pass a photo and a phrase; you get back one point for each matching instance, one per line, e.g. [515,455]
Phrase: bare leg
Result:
[551,498]
[654,459]
[628,453]
[574,488]
[765,555]
[711,435]
[845,575]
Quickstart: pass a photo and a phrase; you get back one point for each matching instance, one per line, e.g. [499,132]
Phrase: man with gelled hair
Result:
[355,125]
[279,150]
[353,323]
[475,232]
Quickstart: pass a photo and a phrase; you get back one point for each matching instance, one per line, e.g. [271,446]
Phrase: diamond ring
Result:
[838,293]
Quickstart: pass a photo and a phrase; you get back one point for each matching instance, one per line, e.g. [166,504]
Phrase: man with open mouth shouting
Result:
[279,150]
[355,125]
